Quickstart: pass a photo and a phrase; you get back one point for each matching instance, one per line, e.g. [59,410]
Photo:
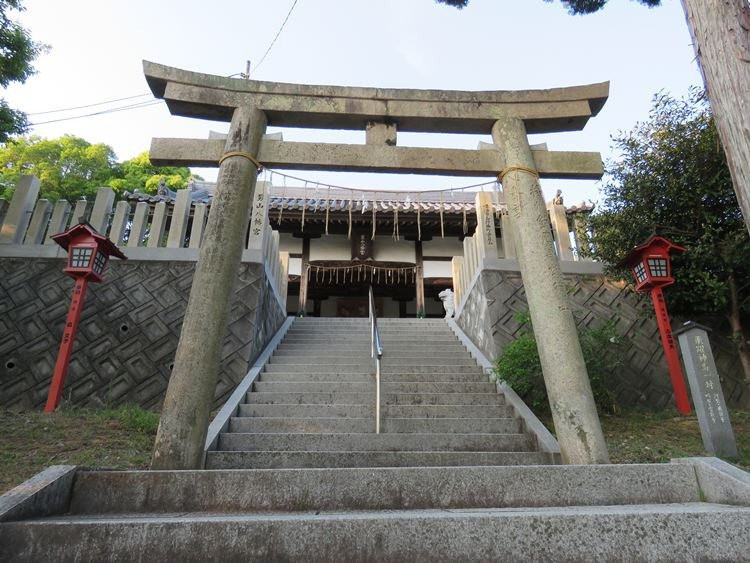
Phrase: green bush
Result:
[519,365]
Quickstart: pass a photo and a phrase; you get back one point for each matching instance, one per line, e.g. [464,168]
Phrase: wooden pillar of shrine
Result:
[419,279]
[304,276]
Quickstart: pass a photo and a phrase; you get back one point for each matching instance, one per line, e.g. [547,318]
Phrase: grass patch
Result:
[653,437]
[121,438]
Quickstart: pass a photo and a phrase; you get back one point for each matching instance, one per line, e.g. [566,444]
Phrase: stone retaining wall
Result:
[487,317]
[128,332]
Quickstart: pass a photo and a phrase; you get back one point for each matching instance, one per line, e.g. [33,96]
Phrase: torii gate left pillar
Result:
[184,419]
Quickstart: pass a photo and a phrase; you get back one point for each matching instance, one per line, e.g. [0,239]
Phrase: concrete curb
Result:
[545,439]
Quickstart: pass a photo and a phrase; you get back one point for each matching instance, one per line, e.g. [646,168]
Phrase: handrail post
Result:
[376,351]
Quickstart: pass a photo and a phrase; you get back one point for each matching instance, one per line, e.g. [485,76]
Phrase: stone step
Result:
[334,442]
[365,330]
[314,355]
[365,361]
[683,531]
[242,491]
[350,341]
[284,460]
[369,377]
[343,398]
[401,349]
[367,410]
[369,387]
[370,368]
[367,425]
[382,327]
[345,442]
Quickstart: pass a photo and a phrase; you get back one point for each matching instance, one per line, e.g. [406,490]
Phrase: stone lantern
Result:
[88,255]
[651,266]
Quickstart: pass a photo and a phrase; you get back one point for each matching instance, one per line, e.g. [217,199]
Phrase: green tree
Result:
[671,178]
[139,174]
[17,53]
[721,38]
[68,167]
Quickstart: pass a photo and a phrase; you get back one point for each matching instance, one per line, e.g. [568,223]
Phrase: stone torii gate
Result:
[250,106]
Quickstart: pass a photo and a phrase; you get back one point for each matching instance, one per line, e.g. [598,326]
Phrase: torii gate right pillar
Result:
[568,388]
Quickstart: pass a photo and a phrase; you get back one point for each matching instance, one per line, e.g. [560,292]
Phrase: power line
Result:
[89,105]
[263,58]
[110,110]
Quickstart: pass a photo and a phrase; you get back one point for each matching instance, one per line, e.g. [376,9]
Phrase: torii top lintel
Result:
[207,96]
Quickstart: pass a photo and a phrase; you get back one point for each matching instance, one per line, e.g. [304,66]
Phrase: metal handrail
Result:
[376,352]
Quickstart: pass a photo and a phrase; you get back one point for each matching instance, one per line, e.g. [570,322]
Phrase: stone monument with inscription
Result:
[705,387]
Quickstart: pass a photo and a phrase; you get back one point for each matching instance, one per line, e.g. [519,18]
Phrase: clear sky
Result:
[97,47]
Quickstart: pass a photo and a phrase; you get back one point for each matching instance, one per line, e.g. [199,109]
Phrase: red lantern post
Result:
[650,264]
[88,254]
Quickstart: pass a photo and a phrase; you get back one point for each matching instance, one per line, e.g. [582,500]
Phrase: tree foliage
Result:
[17,53]
[139,174]
[574,6]
[70,167]
[671,179]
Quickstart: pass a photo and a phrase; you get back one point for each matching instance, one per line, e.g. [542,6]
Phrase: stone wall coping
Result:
[46,493]
[220,423]
[547,442]
[133,253]
[719,481]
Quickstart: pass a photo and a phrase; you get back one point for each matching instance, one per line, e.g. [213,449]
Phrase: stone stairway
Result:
[299,475]
[313,405]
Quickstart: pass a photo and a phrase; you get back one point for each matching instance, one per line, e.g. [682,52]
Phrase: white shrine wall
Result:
[385,249]
[439,246]
[290,244]
[331,247]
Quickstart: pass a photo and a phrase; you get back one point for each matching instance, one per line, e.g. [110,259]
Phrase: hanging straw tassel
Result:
[351,198]
[442,228]
[374,210]
[395,221]
[328,206]
[419,215]
[466,226]
[304,207]
[281,203]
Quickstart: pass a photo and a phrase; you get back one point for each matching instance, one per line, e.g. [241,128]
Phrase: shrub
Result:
[519,365]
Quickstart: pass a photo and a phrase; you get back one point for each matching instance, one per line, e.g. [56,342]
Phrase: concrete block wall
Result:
[487,316]
[128,332]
